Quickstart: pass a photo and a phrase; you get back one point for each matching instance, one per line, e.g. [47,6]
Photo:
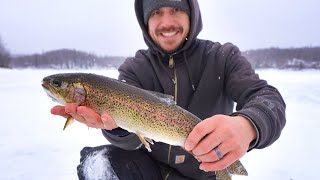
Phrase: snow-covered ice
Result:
[33,145]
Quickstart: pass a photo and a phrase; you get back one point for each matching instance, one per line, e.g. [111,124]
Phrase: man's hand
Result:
[86,116]
[232,135]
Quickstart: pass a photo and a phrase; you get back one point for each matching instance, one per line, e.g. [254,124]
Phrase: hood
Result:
[195,26]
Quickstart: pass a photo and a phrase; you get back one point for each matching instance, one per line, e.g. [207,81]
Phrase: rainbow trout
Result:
[150,115]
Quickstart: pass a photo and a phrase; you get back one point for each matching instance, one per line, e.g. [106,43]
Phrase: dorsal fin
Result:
[164,97]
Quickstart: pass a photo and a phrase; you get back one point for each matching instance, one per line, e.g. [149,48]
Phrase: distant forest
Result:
[292,58]
[65,59]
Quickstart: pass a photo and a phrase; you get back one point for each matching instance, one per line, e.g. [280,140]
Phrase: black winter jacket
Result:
[206,78]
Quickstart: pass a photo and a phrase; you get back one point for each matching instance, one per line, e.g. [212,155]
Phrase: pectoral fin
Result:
[145,141]
[150,141]
[68,122]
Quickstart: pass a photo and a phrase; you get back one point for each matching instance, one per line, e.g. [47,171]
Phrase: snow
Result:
[33,145]
[95,166]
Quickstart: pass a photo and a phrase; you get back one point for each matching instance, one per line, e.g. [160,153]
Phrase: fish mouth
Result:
[45,85]
[50,92]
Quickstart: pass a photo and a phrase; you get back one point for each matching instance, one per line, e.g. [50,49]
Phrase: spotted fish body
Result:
[151,115]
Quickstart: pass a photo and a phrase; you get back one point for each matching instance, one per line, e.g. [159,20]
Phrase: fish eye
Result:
[56,83]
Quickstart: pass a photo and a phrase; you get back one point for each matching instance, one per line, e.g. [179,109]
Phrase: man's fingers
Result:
[72,110]
[85,115]
[221,164]
[89,115]
[207,144]
[108,122]
[209,157]
[199,131]
[212,155]
[60,111]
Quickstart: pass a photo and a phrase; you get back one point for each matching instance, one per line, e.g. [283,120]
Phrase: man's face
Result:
[168,27]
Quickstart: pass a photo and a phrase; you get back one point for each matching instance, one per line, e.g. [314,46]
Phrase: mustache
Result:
[169,29]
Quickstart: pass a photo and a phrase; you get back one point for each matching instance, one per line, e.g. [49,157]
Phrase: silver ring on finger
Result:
[218,152]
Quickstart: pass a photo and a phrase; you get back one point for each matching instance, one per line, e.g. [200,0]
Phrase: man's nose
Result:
[167,20]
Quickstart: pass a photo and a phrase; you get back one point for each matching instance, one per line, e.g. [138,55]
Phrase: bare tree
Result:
[4,56]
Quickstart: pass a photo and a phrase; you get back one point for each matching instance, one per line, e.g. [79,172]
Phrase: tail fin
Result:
[223,175]
[237,168]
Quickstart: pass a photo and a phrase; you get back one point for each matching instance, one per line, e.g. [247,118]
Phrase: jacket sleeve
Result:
[120,137]
[260,102]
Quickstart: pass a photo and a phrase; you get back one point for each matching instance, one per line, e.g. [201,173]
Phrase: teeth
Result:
[169,34]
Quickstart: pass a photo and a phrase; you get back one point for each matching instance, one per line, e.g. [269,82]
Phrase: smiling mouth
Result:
[169,34]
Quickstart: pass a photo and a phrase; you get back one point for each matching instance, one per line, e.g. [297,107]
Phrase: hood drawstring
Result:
[189,72]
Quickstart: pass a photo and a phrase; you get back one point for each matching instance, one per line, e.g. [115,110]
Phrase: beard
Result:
[169,29]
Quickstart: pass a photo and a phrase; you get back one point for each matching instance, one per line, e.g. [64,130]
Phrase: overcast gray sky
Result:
[109,27]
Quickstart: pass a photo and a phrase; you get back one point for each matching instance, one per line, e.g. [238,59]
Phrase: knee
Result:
[110,162]
[94,164]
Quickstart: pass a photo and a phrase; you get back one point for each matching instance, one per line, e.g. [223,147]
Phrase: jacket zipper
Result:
[175,79]
[175,82]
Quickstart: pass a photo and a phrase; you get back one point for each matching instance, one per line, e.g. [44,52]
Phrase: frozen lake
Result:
[33,145]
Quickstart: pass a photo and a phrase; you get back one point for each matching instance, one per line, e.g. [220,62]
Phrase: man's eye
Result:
[156,12]
[176,10]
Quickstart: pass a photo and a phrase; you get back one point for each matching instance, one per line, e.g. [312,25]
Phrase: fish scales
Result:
[149,114]
[138,108]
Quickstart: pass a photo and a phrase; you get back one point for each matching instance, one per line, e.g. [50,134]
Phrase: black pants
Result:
[124,165]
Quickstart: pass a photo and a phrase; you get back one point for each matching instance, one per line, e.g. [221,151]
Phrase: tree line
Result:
[66,59]
[294,58]
[58,59]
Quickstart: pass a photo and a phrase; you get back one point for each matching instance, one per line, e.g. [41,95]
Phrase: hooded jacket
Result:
[206,78]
